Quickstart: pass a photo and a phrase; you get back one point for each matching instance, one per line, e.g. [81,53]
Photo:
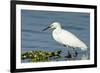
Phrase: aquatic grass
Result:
[47,56]
[39,55]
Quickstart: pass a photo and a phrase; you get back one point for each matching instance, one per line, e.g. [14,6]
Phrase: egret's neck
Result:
[57,30]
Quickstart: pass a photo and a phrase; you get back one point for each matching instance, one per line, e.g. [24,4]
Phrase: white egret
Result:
[65,37]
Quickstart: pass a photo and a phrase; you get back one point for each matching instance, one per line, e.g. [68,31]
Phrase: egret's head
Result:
[54,25]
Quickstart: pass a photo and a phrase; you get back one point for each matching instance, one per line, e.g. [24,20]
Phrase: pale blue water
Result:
[33,22]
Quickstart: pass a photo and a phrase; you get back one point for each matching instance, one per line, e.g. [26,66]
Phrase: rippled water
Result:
[33,38]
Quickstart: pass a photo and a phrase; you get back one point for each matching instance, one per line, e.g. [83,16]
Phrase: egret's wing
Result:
[70,39]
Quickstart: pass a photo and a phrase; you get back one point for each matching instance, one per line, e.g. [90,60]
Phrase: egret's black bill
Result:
[46,28]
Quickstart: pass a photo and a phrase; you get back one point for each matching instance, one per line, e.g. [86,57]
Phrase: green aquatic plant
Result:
[39,55]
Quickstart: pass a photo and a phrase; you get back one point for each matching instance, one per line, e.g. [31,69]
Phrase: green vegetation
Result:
[40,55]
[47,56]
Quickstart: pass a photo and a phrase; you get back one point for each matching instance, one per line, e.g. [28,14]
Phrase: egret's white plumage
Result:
[65,37]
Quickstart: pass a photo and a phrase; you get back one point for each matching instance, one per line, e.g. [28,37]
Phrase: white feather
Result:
[67,38]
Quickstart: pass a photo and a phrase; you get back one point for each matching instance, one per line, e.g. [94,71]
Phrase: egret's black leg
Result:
[64,45]
[69,55]
[75,53]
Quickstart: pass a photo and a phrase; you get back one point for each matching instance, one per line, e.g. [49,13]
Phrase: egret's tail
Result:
[84,48]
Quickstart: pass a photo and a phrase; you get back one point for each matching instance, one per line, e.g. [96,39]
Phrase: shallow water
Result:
[33,22]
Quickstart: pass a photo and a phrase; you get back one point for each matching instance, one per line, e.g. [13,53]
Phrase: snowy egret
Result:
[65,37]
